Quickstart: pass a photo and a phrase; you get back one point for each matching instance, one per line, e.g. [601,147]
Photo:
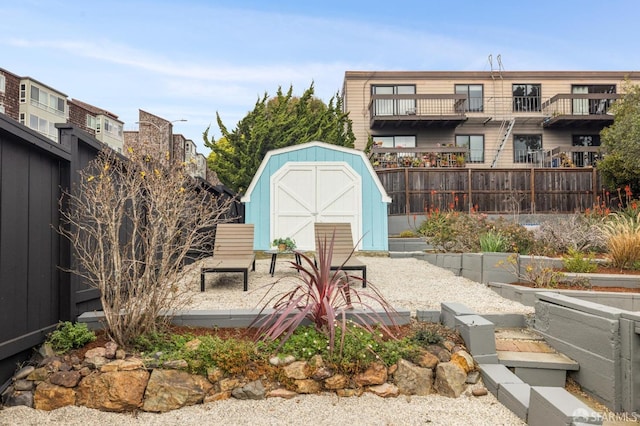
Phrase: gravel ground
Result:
[404,282]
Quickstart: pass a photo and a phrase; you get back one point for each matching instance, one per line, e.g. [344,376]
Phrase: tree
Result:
[621,142]
[132,224]
[277,122]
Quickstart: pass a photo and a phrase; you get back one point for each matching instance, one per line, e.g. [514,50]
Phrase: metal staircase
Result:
[504,132]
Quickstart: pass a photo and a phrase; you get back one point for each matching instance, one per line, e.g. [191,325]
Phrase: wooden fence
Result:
[493,191]
[35,291]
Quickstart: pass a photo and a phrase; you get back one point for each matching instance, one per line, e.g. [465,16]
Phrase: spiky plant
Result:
[323,296]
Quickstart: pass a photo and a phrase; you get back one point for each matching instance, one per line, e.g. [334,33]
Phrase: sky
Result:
[193,59]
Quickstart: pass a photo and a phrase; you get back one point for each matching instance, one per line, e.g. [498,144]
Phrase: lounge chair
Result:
[343,247]
[232,251]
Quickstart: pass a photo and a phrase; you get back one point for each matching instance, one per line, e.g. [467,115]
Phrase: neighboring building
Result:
[9,94]
[100,123]
[483,119]
[156,134]
[33,103]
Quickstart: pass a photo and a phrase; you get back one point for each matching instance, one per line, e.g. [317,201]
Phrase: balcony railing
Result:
[427,109]
[444,156]
[577,108]
[454,109]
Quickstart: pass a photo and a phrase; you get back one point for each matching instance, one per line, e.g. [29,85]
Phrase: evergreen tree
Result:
[621,142]
[276,122]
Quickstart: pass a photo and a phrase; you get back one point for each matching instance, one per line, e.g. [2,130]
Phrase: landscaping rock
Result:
[282,393]
[385,390]
[479,391]
[307,386]
[346,393]
[214,374]
[23,385]
[17,398]
[297,370]
[376,374]
[427,360]
[110,349]
[473,377]
[278,361]
[67,379]
[171,389]
[253,390]
[228,384]
[442,354]
[113,391]
[464,360]
[39,374]
[450,379]
[48,397]
[123,365]
[338,381]
[23,372]
[411,379]
[176,364]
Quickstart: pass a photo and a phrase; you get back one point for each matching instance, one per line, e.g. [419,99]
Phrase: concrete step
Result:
[526,353]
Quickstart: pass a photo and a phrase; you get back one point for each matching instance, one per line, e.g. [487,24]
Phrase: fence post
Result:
[532,205]
[407,204]
[469,189]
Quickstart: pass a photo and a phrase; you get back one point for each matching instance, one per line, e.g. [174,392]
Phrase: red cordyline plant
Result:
[324,297]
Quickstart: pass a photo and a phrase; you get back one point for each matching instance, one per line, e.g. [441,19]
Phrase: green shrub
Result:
[68,335]
[492,242]
[407,233]
[575,261]
[425,337]
[536,272]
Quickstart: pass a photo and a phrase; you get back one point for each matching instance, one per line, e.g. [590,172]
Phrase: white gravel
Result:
[404,282]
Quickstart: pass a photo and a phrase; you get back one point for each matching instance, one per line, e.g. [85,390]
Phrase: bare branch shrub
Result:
[577,232]
[132,224]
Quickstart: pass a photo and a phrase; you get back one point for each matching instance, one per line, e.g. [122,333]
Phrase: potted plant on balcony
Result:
[284,244]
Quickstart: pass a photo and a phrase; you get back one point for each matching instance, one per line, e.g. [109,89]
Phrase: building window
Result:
[396,141]
[526,97]
[592,106]
[22,120]
[475,145]
[2,83]
[91,122]
[43,126]
[527,149]
[47,101]
[394,106]
[23,93]
[474,92]
[2,108]
[587,158]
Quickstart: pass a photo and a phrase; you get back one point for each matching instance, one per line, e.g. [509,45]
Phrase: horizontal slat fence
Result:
[492,191]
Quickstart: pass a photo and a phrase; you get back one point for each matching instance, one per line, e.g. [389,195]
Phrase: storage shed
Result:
[299,185]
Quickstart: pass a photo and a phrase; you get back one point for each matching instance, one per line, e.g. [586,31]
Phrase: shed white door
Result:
[305,193]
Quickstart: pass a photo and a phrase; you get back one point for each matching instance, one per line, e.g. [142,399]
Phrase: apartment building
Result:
[40,107]
[32,103]
[508,119]
[100,123]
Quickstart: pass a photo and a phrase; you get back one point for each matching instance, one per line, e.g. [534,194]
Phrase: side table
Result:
[274,255]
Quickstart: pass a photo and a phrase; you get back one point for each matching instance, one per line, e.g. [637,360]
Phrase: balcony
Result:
[444,156]
[588,110]
[438,110]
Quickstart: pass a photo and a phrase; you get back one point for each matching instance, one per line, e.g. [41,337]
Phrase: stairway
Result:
[527,354]
[529,379]
[504,132]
